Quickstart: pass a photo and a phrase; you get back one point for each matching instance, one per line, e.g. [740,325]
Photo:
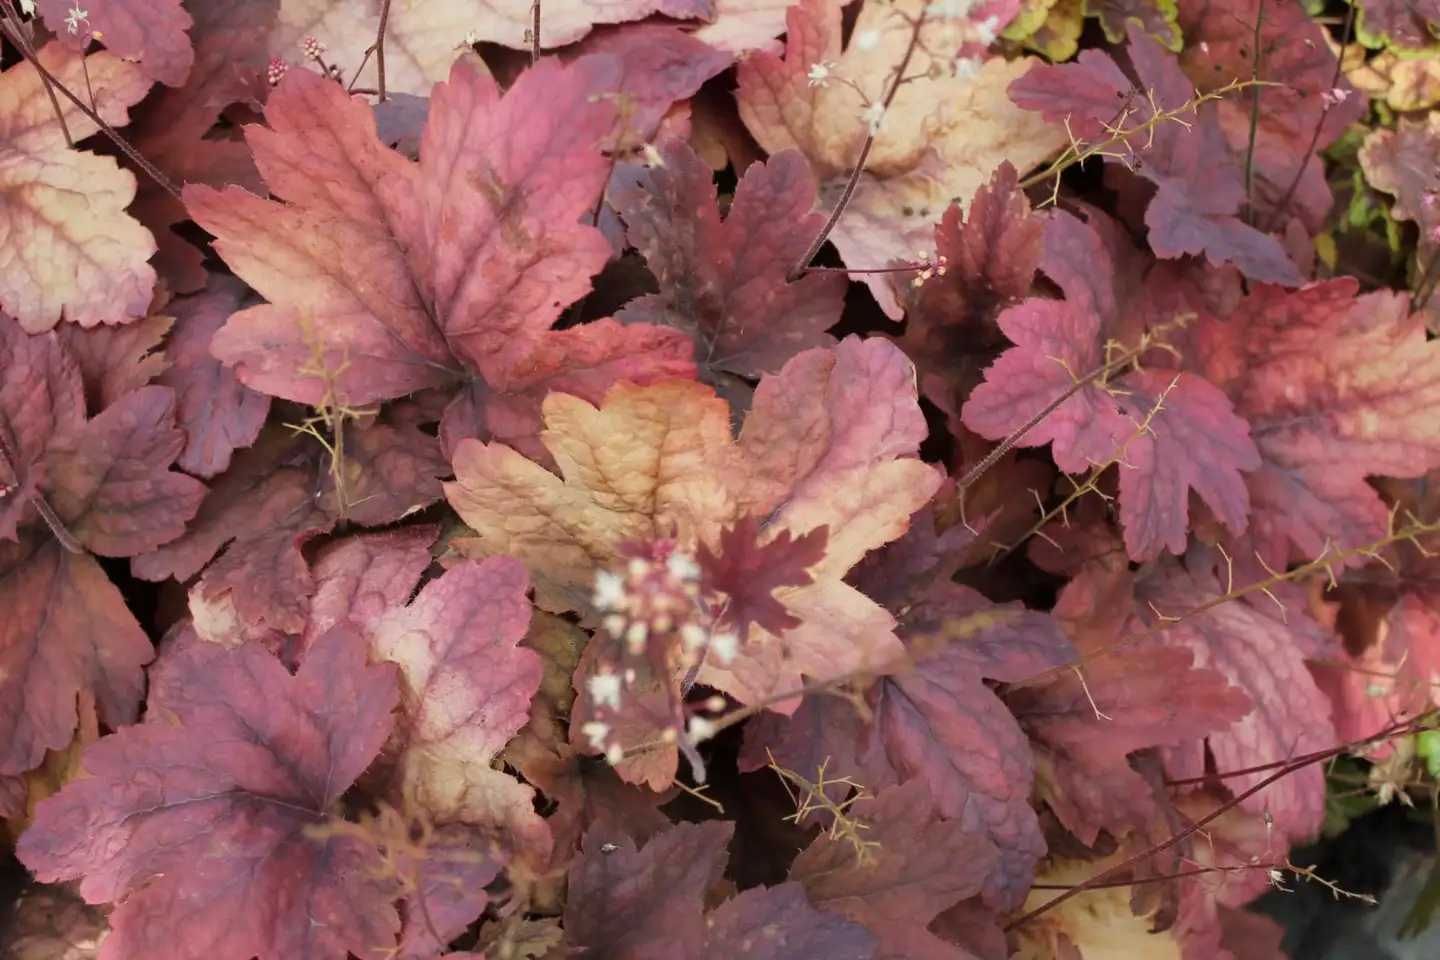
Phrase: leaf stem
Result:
[1289,194]
[803,264]
[1254,117]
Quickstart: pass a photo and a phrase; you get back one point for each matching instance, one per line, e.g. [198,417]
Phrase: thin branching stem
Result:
[1254,115]
[803,264]
[1289,194]
[535,33]
[1293,766]
[14,30]
[153,172]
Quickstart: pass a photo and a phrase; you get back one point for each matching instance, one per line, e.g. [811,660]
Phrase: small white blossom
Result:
[614,754]
[966,68]
[609,590]
[950,9]
[638,567]
[614,625]
[605,690]
[596,732]
[725,646]
[701,729]
[635,637]
[867,39]
[987,30]
[681,565]
[873,115]
[819,77]
[72,22]
[693,636]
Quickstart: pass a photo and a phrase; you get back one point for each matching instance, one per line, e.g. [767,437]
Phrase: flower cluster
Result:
[654,614]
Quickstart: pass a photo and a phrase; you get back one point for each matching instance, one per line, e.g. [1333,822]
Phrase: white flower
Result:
[681,565]
[950,9]
[966,68]
[867,39]
[605,690]
[596,732]
[609,590]
[873,115]
[693,636]
[72,22]
[987,30]
[819,77]
[701,729]
[725,646]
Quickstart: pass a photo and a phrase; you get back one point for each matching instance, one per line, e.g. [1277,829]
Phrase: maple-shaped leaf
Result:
[829,441]
[1172,433]
[451,884]
[1336,387]
[117,360]
[1304,103]
[724,282]
[1199,189]
[749,573]
[990,256]
[397,276]
[66,629]
[172,129]
[467,685]
[41,395]
[70,248]
[626,902]
[1258,654]
[940,141]
[147,31]
[1082,726]
[209,853]
[387,470]
[218,413]
[919,866]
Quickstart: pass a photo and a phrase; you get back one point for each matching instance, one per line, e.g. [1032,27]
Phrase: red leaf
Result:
[467,686]
[1258,654]
[662,65]
[218,413]
[66,629]
[1336,388]
[264,509]
[723,282]
[620,896]
[582,361]
[40,395]
[1200,189]
[1149,696]
[1174,433]
[1305,104]
[388,471]
[361,579]
[111,478]
[920,866]
[776,923]
[990,258]
[412,271]
[627,903]
[116,360]
[940,722]
[150,31]
[749,572]
[207,855]
[172,129]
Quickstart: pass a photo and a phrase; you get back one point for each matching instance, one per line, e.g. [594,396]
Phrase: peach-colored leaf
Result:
[68,247]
